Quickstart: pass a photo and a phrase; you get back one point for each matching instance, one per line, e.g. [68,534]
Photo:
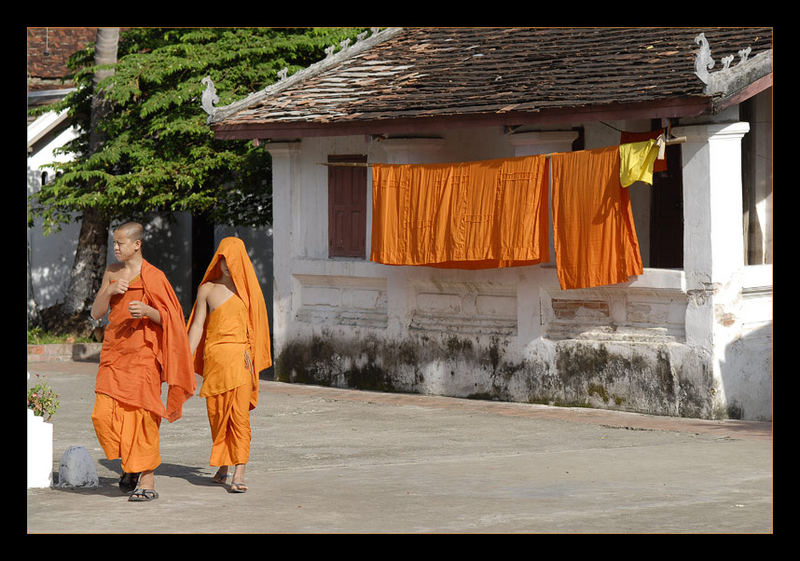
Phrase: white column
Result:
[283,227]
[713,242]
[544,142]
[712,201]
[400,292]
[529,289]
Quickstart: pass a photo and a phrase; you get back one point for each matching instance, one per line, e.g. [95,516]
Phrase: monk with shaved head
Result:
[144,345]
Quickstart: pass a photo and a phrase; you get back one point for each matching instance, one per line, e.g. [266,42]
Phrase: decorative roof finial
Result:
[729,76]
[703,62]
[210,97]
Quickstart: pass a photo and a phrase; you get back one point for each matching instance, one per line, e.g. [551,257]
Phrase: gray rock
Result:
[77,469]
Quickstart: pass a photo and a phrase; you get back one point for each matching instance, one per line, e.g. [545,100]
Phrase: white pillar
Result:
[40,452]
[713,243]
[529,320]
[400,292]
[283,228]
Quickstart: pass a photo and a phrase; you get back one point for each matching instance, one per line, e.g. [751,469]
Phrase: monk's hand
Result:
[247,361]
[118,287]
[138,309]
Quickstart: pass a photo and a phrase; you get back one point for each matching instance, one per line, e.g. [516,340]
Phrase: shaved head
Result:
[132,230]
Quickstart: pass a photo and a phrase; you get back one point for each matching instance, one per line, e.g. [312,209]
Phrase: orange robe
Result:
[237,326]
[227,383]
[137,356]
[473,215]
[594,235]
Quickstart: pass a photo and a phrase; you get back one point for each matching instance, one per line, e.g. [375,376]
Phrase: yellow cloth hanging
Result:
[636,162]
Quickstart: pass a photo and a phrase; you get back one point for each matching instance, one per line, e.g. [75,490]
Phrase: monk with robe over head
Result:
[144,345]
[229,337]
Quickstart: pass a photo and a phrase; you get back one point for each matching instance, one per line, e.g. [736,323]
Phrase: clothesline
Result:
[668,142]
[504,212]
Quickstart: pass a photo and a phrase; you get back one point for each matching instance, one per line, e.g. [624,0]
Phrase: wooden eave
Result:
[760,85]
[425,80]
[664,109]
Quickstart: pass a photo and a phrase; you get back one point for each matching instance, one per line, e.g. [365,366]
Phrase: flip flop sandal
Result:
[143,495]
[128,482]
[238,488]
[219,478]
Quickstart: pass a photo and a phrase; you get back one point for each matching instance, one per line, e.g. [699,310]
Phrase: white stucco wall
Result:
[509,333]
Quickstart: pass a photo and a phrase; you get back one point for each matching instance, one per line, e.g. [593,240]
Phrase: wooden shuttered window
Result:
[347,207]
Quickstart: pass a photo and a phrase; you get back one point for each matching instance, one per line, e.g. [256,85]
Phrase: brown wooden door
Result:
[347,207]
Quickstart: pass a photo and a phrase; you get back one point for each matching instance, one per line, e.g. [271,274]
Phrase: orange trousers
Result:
[229,418]
[128,433]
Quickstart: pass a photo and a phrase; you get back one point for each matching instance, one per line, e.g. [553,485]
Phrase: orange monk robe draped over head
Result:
[249,290]
[471,215]
[167,343]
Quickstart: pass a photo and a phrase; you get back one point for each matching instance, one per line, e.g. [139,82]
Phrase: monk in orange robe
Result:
[144,345]
[229,337]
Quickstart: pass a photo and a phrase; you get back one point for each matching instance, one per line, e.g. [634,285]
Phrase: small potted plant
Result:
[42,405]
[42,400]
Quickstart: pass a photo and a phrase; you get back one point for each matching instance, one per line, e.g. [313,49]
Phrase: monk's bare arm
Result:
[199,320]
[108,288]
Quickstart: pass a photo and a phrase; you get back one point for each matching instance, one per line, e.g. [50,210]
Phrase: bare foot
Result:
[145,490]
[147,480]
[237,484]
[221,476]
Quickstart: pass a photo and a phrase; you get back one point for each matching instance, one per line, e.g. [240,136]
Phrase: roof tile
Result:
[427,72]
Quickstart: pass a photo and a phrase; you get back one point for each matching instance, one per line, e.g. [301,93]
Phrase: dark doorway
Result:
[666,214]
[202,250]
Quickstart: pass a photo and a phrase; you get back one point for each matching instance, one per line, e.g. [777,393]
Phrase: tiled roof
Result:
[48,51]
[492,72]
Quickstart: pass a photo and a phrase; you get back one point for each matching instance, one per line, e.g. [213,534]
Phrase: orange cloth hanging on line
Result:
[594,235]
[471,215]
[627,137]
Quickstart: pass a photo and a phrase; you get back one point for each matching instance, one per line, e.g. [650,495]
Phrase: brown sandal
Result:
[142,495]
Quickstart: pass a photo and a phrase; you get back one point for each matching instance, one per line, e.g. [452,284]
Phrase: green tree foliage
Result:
[160,155]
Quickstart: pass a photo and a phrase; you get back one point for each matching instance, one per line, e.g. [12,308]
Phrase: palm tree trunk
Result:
[90,256]
[33,311]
